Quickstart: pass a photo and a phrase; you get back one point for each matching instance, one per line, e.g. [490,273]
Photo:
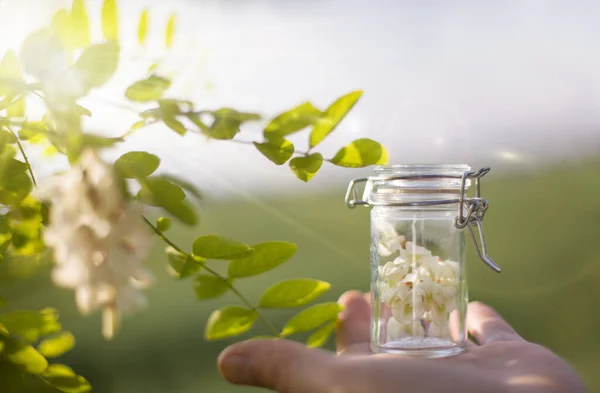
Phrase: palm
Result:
[501,358]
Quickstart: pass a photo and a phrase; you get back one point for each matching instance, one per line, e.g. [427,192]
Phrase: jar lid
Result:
[398,185]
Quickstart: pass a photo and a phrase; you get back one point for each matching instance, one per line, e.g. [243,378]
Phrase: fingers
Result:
[280,365]
[354,321]
[486,325]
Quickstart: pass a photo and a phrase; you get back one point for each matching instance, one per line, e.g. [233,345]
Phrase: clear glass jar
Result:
[418,277]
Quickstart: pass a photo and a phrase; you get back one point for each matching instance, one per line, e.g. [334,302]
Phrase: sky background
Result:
[513,85]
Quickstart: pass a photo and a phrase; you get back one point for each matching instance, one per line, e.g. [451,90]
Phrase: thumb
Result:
[280,365]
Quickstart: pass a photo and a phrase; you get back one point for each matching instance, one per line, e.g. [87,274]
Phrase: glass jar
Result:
[418,276]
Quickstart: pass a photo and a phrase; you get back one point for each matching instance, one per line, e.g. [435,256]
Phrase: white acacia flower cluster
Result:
[419,289]
[99,240]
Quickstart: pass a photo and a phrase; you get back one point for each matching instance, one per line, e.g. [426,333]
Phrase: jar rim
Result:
[422,168]
[423,186]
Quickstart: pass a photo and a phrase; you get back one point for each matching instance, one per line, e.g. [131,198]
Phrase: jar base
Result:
[428,347]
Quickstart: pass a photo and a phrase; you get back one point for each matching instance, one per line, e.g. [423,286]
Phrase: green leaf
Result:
[293,293]
[293,120]
[32,130]
[158,191]
[189,268]
[229,321]
[266,256]
[169,109]
[152,114]
[360,153]
[17,188]
[140,124]
[156,188]
[209,287]
[226,123]
[24,355]
[312,317]
[11,78]
[143,27]
[321,335]
[40,49]
[17,108]
[31,325]
[110,20]
[61,26]
[163,224]
[170,31]
[306,167]
[10,168]
[80,25]
[276,149]
[98,141]
[6,138]
[183,266]
[218,247]
[150,89]
[64,379]
[15,183]
[97,64]
[189,187]
[333,116]
[137,164]
[57,345]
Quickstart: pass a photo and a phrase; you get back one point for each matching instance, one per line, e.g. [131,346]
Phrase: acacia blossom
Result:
[418,288]
[98,239]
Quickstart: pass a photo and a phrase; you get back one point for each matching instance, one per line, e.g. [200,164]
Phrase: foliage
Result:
[58,65]
[27,339]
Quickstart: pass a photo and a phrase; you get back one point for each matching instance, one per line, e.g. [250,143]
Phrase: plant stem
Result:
[243,299]
[214,273]
[24,155]
[36,93]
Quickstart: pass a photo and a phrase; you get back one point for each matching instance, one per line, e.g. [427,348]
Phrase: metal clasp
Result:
[352,195]
[475,210]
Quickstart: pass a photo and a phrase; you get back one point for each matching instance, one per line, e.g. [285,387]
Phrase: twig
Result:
[24,155]
[214,273]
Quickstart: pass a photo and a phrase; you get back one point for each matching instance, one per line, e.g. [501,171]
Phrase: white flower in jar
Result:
[385,228]
[434,299]
[434,267]
[450,293]
[386,293]
[392,245]
[407,304]
[450,270]
[390,242]
[414,253]
[395,243]
[439,328]
[393,272]
[398,330]
[98,238]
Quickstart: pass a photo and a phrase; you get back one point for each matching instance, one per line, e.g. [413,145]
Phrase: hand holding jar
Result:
[500,362]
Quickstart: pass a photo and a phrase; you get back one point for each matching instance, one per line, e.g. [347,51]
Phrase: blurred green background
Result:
[541,228]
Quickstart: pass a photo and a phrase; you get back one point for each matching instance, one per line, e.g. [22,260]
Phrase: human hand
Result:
[500,362]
